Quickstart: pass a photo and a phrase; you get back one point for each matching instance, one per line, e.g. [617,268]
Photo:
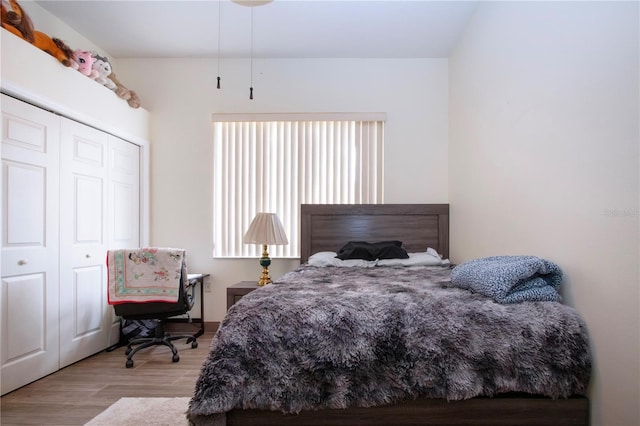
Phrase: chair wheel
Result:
[129,363]
[194,345]
[175,358]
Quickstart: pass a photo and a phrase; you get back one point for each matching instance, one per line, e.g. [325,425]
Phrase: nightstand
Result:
[236,291]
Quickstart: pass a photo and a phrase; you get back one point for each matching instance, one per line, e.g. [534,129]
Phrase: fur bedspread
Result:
[342,337]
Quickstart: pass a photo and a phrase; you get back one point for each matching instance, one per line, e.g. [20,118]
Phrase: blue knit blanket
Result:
[510,279]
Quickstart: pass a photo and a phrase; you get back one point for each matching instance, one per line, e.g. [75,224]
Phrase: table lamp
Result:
[265,229]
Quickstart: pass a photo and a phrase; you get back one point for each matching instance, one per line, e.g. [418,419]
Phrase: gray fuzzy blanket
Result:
[344,337]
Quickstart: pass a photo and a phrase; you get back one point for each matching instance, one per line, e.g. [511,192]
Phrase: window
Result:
[275,162]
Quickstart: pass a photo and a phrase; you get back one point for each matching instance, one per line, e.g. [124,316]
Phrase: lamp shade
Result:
[266,228]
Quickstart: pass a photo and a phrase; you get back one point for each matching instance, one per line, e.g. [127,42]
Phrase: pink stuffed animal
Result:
[85,61]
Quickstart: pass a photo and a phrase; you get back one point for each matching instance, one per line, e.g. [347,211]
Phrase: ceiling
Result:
[281,28]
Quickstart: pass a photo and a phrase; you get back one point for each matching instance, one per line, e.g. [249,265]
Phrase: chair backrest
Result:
[151,272]
[157,310]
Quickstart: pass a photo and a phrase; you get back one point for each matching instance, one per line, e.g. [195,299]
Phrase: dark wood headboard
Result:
[327,227]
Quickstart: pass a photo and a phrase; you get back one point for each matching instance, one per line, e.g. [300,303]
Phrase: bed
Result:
[389,345]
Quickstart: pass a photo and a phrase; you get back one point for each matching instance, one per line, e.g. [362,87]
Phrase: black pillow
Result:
[392,252]
[357,250]
[372,251]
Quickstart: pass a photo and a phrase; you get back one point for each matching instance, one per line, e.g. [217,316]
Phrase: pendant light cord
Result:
[219,32]
[251,59]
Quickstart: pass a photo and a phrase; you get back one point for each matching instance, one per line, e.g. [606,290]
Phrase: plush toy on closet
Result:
[124,93]
[15,20]
[85,62]
[103,67]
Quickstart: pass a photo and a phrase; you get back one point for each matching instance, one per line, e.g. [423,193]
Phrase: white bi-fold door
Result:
[100,209]
[83,241]
[30,211]
[123,201]
[69,192]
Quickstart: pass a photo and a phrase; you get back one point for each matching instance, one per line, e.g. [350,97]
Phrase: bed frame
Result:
[327,227]
[418,226]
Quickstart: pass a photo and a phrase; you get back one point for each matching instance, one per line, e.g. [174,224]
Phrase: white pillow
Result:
[427,258]
[322,258]
[328,258]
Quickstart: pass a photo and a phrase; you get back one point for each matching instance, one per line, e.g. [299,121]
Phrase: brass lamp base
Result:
[265,261]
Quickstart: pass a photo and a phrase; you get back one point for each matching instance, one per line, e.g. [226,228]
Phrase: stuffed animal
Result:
[103,67]
[122,92]
[85,62]
[134,100]
[15,20]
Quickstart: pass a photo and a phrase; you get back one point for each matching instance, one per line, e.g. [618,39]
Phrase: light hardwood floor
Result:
[81,391]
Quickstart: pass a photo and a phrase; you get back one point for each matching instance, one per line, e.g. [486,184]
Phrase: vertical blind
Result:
[269,164]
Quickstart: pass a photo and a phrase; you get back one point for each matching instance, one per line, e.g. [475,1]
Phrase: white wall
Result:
[544,133]
[181,96]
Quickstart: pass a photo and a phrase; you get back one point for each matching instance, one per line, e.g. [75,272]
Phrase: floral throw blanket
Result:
[327,337]
[145,275]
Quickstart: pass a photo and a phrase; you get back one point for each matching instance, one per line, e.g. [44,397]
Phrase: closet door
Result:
[29,287]
[123,206]
[83,242]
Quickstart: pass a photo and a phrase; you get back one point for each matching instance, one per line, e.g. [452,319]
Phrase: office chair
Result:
[122,266]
